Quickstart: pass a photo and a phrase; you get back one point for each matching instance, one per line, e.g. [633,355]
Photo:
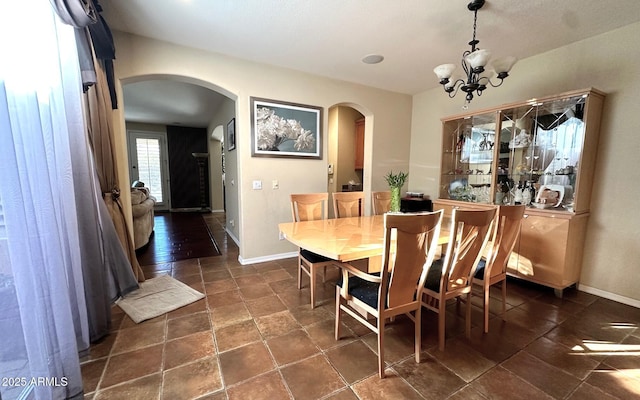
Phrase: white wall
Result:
[610,63]
[222,116]
[387,136]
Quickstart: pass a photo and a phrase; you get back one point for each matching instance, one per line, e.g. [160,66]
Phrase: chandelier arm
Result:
[493,85]
[454,88]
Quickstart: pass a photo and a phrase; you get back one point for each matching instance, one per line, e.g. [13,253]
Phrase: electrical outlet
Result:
[280,235]
[275,184]
[257,185]
[232,222]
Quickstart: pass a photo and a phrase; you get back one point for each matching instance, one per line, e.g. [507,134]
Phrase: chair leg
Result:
[338,303]
[468,316]
[381,346]
[313,286]
[299,273]
[504,297]
[418,338]
[485,305]
[441,324]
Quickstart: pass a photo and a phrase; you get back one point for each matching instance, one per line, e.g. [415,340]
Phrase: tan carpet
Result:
[157,296]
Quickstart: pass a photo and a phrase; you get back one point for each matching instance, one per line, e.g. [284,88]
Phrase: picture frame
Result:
[284,129]
[231,134]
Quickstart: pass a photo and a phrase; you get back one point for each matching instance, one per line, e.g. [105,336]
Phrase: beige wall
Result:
[259,211]
[222,116]
[609,62]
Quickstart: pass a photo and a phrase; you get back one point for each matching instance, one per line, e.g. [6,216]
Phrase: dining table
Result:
[346,239]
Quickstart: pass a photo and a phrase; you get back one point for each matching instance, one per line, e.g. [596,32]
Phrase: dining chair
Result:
[410,241]
[452,276]
[348,204]
[492,269]
[381,202]
[310,207]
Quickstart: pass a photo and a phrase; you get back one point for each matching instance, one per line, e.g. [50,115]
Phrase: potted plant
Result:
[395,182]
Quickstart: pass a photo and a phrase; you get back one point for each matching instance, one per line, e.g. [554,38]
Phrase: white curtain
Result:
[43,323]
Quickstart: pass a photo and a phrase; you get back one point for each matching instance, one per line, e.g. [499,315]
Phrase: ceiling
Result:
[330,38]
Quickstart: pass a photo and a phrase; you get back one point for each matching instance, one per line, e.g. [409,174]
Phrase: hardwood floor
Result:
[178,236]
[254,336]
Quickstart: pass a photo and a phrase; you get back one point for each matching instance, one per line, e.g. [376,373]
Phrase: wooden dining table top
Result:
[343,239]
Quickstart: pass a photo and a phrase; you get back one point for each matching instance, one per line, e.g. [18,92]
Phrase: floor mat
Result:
[157,296]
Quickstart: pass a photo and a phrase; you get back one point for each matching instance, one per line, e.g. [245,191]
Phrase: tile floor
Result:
[256,337]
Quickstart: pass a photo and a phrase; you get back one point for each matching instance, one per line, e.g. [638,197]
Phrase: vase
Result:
[394,206]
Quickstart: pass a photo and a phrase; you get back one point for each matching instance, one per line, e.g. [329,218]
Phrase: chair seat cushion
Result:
[363,290]
[480,270]
[313,257]
[433,276]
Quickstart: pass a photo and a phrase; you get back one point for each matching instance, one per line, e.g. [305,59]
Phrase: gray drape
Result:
[109,266]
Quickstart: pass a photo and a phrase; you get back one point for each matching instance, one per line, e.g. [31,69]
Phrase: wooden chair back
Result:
[468,236]
[309,206]
[348,204]
[381,202]
[410,246]
[508,227]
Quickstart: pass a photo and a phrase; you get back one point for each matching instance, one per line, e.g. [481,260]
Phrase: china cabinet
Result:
[540,153]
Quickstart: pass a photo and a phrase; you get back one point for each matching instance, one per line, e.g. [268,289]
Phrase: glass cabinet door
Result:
[540,146]
[467,158]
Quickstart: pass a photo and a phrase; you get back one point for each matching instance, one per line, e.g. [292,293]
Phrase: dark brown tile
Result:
[345,394]
[617,383]
[462,360]
[588,392]
[562,357]
[188,325]
[283,285]
[241,270]
[312,378]
[290,347]
[249,280]
[195,307]
[391,387]
[276,324]
[192,380]
[229,315]
[305,315]
[269,386]
[224,299]
[245,362]
[354,361]
[91,374]
[430,378]
[147,387]
[545,377]
[256,291]
[188,348]
[276,275]
[265,306]
[323,335]
[215,275]
[236,335]
[102,348]
[132,365]
[222,285]
[501,384]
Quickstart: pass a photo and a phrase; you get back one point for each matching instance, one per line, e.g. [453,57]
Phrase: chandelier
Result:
[476,78]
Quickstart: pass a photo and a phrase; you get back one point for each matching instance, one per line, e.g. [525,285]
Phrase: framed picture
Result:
[231,134]
[281,129]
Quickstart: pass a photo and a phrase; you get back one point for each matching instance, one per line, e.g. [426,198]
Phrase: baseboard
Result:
[217,211]
[611,296]
[233,237]
[271,257]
